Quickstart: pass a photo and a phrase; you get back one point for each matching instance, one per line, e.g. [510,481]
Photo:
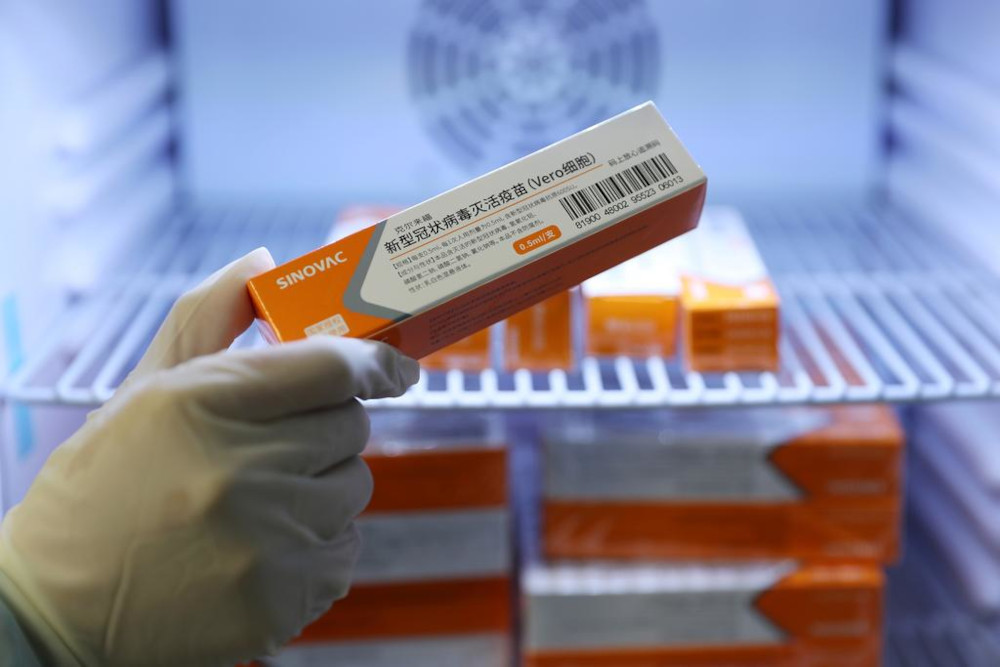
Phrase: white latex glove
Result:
[203,516]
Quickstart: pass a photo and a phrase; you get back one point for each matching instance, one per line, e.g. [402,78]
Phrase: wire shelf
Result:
[875,308]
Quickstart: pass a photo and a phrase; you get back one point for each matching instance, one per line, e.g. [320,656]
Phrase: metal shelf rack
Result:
[875,307]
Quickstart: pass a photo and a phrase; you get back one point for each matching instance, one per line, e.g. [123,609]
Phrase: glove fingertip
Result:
[409,371]
[399,371]
[260,259]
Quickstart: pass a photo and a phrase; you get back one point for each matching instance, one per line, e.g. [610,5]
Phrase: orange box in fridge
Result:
[632,325]
[440,271]
[423,623]
[633,309]
[415,609]
[421,465]
[472,353]
[735,615]
[816,483]
[540,337]
[730,307]
[815,530]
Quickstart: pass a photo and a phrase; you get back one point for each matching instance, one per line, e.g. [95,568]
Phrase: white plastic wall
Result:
[84,133]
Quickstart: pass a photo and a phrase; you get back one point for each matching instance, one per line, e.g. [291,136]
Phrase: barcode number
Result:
[614,188]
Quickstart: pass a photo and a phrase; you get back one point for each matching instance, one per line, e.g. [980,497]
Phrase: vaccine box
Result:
[633,309]
[470,354]
[757,614]
[455,264]
[815,483]
[729,304]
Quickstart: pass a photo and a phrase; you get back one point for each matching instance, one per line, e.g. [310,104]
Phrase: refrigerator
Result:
[145,143]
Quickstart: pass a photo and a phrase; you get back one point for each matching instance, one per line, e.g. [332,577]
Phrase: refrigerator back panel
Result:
[403,98]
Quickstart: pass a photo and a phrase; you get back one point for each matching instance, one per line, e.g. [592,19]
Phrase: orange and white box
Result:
[482,650]
[475,255]
[730,307]
[434,578]
[770,614]
[469,354]
[809,483]
[633,309]
[540,338]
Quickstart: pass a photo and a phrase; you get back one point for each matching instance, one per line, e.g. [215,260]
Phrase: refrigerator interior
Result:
[152,142]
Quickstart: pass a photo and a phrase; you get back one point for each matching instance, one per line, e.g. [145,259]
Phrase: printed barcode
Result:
[609,190]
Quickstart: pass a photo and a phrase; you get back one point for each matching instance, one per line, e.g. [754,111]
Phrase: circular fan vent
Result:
[497,79]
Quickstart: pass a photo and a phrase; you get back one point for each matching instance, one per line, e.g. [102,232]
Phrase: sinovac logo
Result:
[311,269]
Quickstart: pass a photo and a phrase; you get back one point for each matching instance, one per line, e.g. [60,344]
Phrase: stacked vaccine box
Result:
[718,537]
[729,305]
[810,483]
[434,582]
[706,295]
[778,614]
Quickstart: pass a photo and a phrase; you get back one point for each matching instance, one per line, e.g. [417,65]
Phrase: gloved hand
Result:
[203,516]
